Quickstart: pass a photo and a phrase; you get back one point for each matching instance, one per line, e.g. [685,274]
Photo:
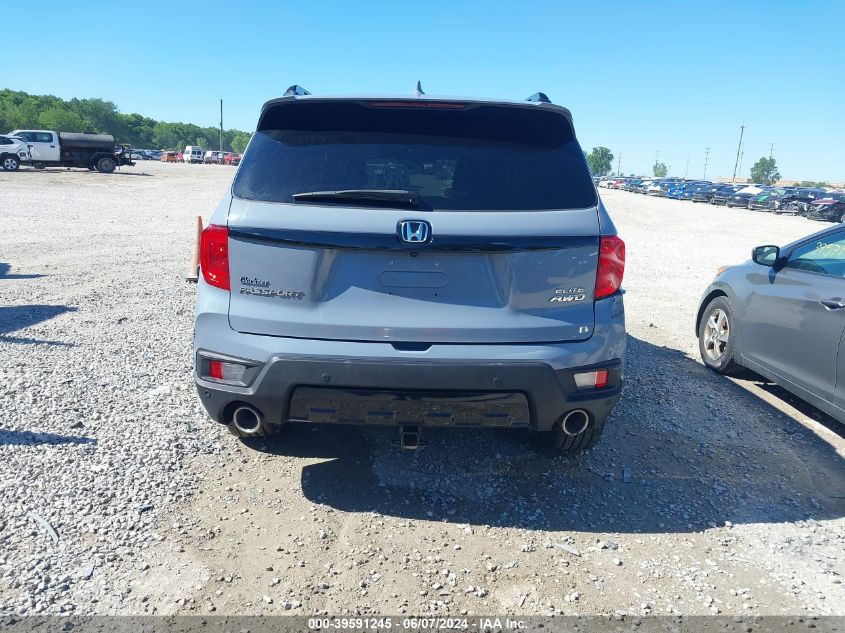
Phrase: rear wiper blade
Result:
[382,196]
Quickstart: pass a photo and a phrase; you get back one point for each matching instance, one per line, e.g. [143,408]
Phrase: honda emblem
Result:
[414,231]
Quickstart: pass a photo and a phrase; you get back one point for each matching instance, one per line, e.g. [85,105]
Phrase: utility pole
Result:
[741,156]
[738,149]
[221,129]
[706,160]
[619,165]
[686,171]
[771,150]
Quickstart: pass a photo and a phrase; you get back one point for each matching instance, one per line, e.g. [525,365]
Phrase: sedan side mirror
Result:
[765,255]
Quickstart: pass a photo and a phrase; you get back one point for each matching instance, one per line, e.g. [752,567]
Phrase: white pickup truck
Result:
[67,149]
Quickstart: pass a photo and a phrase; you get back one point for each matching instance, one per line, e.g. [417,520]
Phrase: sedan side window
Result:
[825,256]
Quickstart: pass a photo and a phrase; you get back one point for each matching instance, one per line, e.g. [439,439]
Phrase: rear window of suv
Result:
[455,157]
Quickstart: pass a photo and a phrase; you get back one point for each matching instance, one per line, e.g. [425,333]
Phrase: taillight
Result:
[611,266]
[214,256]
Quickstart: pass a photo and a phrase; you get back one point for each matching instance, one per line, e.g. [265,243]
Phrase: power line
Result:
[706,160]
[738,148]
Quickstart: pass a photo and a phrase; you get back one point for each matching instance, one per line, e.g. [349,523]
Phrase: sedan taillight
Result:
[214,256]
[611,266]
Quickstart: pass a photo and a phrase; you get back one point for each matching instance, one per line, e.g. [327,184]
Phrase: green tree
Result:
[60,120]
[765,171]
[239,142]
[660,170]
[600,161]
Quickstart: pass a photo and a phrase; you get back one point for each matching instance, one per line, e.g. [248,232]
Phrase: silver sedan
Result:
[782,315]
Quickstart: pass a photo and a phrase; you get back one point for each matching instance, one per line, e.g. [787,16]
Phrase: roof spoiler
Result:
[539,97]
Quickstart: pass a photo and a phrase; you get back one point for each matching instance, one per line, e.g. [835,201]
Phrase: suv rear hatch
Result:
[500,246]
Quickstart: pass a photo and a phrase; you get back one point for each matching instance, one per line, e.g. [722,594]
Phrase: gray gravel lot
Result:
[706,495]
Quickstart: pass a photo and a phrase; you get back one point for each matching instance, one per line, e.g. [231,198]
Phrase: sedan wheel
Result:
[715,337]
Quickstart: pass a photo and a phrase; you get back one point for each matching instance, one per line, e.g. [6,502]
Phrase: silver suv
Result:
[416,262]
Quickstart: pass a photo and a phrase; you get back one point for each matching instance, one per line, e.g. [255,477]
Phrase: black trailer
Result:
[94,151]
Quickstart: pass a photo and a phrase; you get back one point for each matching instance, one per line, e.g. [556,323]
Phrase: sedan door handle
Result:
[832,305]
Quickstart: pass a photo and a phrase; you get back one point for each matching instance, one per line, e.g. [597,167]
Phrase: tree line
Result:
[20,110]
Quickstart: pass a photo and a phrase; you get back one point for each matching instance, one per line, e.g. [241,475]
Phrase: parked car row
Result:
[194,154]
[221,158]
[814,203]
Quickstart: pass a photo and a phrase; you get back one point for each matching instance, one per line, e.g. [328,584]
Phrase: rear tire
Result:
[716,336]
[559,442]
[106,165]
[11,163]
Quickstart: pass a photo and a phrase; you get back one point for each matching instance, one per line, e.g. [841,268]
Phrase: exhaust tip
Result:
[575,422]
[247,419]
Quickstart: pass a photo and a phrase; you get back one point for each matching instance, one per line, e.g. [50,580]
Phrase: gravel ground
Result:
[706,495]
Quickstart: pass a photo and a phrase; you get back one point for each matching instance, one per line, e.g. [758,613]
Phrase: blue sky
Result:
[639,77]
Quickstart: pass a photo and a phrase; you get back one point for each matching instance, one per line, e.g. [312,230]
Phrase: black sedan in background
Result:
[721,195]
[741,198]
[766,198]
[705,194]
[798,200]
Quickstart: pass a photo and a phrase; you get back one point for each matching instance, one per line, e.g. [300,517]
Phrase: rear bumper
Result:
[444,393]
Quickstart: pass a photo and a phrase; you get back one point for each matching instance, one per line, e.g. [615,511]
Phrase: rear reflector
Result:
[592,379]
[215,369]
[214,256]
[611,266]
[601,378]
[221,370]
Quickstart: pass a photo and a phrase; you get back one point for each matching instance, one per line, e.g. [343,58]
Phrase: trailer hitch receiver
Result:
[409,437]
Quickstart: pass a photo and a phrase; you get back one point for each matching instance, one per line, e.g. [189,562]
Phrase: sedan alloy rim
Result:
[717,333]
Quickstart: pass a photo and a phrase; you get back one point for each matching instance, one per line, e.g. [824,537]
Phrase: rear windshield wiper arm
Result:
[377,196]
